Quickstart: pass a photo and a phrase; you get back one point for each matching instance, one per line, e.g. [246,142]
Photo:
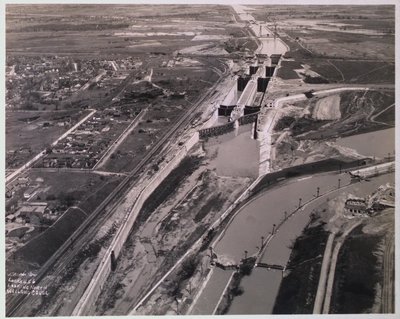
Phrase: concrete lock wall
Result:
[92,292]
[225,110]
[211,121]
[262,84]
[269,71]
[251,109]
[253,69]
[242,82]
[247,119]
[217,130]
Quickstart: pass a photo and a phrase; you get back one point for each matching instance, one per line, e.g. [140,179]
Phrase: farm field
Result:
[352,45]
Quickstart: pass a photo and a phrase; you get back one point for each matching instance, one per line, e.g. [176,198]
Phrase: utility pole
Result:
[317,191]
[273,229]
[262,242]
[338,183]
[299,202]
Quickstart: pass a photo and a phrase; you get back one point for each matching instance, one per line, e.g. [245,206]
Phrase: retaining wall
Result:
[92,292]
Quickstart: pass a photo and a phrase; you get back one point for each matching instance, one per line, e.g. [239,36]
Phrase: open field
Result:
[337,69]
[85,191]
[297,292]
[28,133]
[350,31]
[357,261]
[342,45]
[122,30]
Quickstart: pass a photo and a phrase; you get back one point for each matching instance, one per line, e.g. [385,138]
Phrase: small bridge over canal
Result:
[228,127]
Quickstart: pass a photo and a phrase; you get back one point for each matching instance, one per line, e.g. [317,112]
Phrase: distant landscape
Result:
[199,159]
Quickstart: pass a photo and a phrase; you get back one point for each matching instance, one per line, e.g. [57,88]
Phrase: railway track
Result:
[58,262]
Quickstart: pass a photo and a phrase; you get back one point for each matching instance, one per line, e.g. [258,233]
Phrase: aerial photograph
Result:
[199,159]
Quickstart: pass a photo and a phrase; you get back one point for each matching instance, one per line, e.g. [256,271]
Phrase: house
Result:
[356,205]
[23,182]
[32,212]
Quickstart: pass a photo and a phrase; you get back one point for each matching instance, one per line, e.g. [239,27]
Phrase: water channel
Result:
[257,217]
[379,144]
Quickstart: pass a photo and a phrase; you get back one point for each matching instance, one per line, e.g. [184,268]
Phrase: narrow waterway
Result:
[271,46]
[261,288]
[255,297]
[378,143]
[239,144]
[256,219]
[209,297]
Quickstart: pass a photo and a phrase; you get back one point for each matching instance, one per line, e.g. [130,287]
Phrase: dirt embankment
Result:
[307,130]
[327,108]
[173,218]
[358,278]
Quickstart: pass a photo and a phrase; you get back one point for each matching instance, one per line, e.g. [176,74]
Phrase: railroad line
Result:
[14,304]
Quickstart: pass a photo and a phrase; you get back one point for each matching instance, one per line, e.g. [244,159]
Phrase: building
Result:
[356,206]
[32,212]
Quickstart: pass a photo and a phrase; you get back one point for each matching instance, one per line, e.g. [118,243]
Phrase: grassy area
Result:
[40,248]
[287,73]
[28,133]
[387,116]
[355,71]
[356,262]
[284,122]
[214,203]
[37,251]
[286,70]
[297,291]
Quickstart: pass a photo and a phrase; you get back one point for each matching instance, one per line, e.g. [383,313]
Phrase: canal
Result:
[380,143]
[257,217]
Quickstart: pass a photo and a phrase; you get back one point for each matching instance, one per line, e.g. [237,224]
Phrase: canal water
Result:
[260,291]
[208,300]
[378,143]
[262,286]
[234,154]
[256,219]
[272,46]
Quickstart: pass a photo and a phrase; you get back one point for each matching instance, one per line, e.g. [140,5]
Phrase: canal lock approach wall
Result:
[86,304]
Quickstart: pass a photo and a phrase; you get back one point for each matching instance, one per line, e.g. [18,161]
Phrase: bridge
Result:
[217,130]
[272,266]
[228,127]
